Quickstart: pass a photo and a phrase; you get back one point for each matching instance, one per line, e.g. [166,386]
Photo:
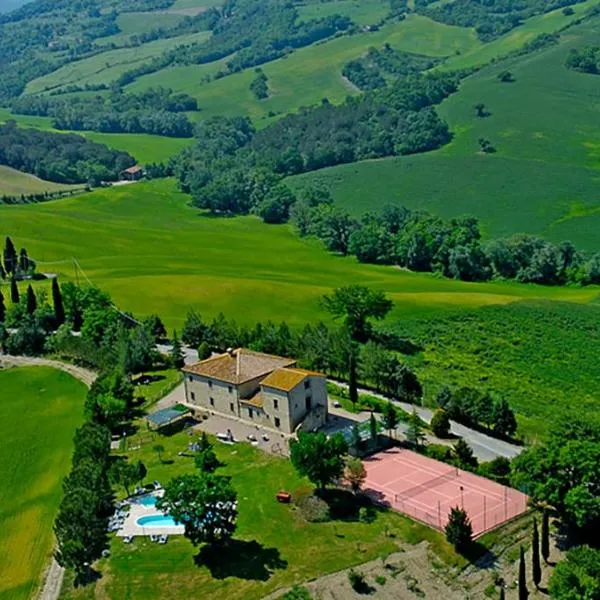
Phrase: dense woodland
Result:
[586,60]
[490,18]
[155,111]
[232,168]
[59,157]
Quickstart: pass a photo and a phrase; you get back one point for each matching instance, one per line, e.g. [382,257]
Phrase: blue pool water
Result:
[148,500]
[157,520]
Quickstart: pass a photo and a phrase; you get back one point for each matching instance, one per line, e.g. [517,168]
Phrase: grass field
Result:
[144,147]
[363,12]
[14,183]
[154,254]
[272,548]
[543,178]
[306,76]
[39,411]
[540,356]
[108,66]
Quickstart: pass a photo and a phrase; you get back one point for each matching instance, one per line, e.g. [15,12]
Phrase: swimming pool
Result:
[157,520]
[147,500]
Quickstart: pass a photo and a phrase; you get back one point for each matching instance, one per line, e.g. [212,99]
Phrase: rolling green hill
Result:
[14,183]
[544,176]
[155,254]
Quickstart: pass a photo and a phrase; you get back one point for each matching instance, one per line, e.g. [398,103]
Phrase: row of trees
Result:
[420,241]
[35,198]
[15,265]
[156,111]
[63,158]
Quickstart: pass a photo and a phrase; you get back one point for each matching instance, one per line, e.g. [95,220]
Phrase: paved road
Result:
[190,355]
[484,446]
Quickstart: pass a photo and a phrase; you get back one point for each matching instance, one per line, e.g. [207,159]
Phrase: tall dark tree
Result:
[390,417]
[502,593]
[545,544]
[176,354]
[59,309]
[10,257]
[459,531]
[2,308]
[523,591]
[536,569]
[14,291]
[24,262]
[31,300]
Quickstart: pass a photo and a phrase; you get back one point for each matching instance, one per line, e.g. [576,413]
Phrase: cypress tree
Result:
[23,260]
[545,536]
[14,291]
[10,257]
[502,593]
[523,591]
[373,427]
[2,272]
[536,569]
[31,300]
[2,308]
[59,309]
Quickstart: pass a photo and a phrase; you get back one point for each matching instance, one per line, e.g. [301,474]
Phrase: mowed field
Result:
[14,183]
[307,75]
[108,66]
[155,254]
[39,411]
[363,12]
[544,176]
[144,147]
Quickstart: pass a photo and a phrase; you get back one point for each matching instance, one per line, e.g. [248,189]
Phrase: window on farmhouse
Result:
[277,422]
[231,407]
[230,388]
[250,413]
[306,384]
[193,396]
[212,401]
[275,404]
[209,383]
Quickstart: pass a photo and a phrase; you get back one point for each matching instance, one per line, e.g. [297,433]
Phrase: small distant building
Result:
[134,173]
[267,390]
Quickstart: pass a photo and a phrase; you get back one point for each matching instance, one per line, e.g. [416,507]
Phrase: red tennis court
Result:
[426,490]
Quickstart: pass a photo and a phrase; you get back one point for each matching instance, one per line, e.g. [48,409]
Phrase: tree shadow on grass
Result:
[238,558]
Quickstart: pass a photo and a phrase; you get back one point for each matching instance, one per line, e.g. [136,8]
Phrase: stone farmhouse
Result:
[270,391]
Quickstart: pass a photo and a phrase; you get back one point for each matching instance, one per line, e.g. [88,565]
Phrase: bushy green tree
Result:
[459,531]
[176,354]
[577,577]
[355,473]
[414,433]
[390,417]
[440,424]
[463,455]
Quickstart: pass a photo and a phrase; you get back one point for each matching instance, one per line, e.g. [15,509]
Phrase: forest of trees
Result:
[490,18]
[377,66]
[586,60]
[156,111]
[63,158]
[232,168]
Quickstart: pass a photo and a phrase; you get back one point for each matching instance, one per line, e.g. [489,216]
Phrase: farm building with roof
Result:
[270,391]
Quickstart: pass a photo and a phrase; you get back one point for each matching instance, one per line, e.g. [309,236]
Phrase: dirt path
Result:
[53,577]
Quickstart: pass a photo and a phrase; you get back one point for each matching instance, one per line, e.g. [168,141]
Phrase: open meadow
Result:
[15,183]
[543,179]
[155,254]
[39,411]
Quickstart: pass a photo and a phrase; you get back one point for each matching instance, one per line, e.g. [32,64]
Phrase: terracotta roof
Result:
[287,379]
[257,400]
[133,170]
[239,365]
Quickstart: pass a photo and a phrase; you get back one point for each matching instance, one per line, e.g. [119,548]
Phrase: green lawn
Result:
[39,411]
[543,178]
[13,182]
[272,548]
[108,66]
[363,12]
[540,356]
[307,75]
[155,254]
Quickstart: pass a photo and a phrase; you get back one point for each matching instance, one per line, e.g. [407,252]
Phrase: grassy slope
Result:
[363,12]
[14,182]
[544,176]
[108,66]
[144,147]
[273,546]
[540,356]
[39,410]
[309,74]
[154,254]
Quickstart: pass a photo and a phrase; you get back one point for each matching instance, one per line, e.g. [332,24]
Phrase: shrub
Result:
[366,514]
[357,581]
[440,424]
[380,580]
[459,531]
[313,509]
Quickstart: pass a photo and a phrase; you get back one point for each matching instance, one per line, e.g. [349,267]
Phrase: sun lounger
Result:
[163,539]
[154,538]
[128,539]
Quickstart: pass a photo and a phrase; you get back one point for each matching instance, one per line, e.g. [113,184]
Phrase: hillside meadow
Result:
[543,179]
[155,254]
[39,411]
[15,183]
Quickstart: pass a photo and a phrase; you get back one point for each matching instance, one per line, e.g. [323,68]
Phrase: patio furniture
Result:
[128,539]
[163,539]
[154,538]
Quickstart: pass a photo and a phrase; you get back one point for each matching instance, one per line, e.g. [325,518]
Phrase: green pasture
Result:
[108,66]
[136,23]
[310,74]
[144,147]
[273,547]
[540,356]
[155,254]
[544,176]
[14,183]
[363,12]
[187,4]
[39,411]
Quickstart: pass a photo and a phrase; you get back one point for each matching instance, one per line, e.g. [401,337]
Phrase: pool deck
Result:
[130,526]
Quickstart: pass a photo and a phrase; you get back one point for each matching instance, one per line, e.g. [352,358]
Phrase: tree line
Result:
[36,198]
[420,241]
[63,158]
[232,168]
[156,111]
[586,60]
